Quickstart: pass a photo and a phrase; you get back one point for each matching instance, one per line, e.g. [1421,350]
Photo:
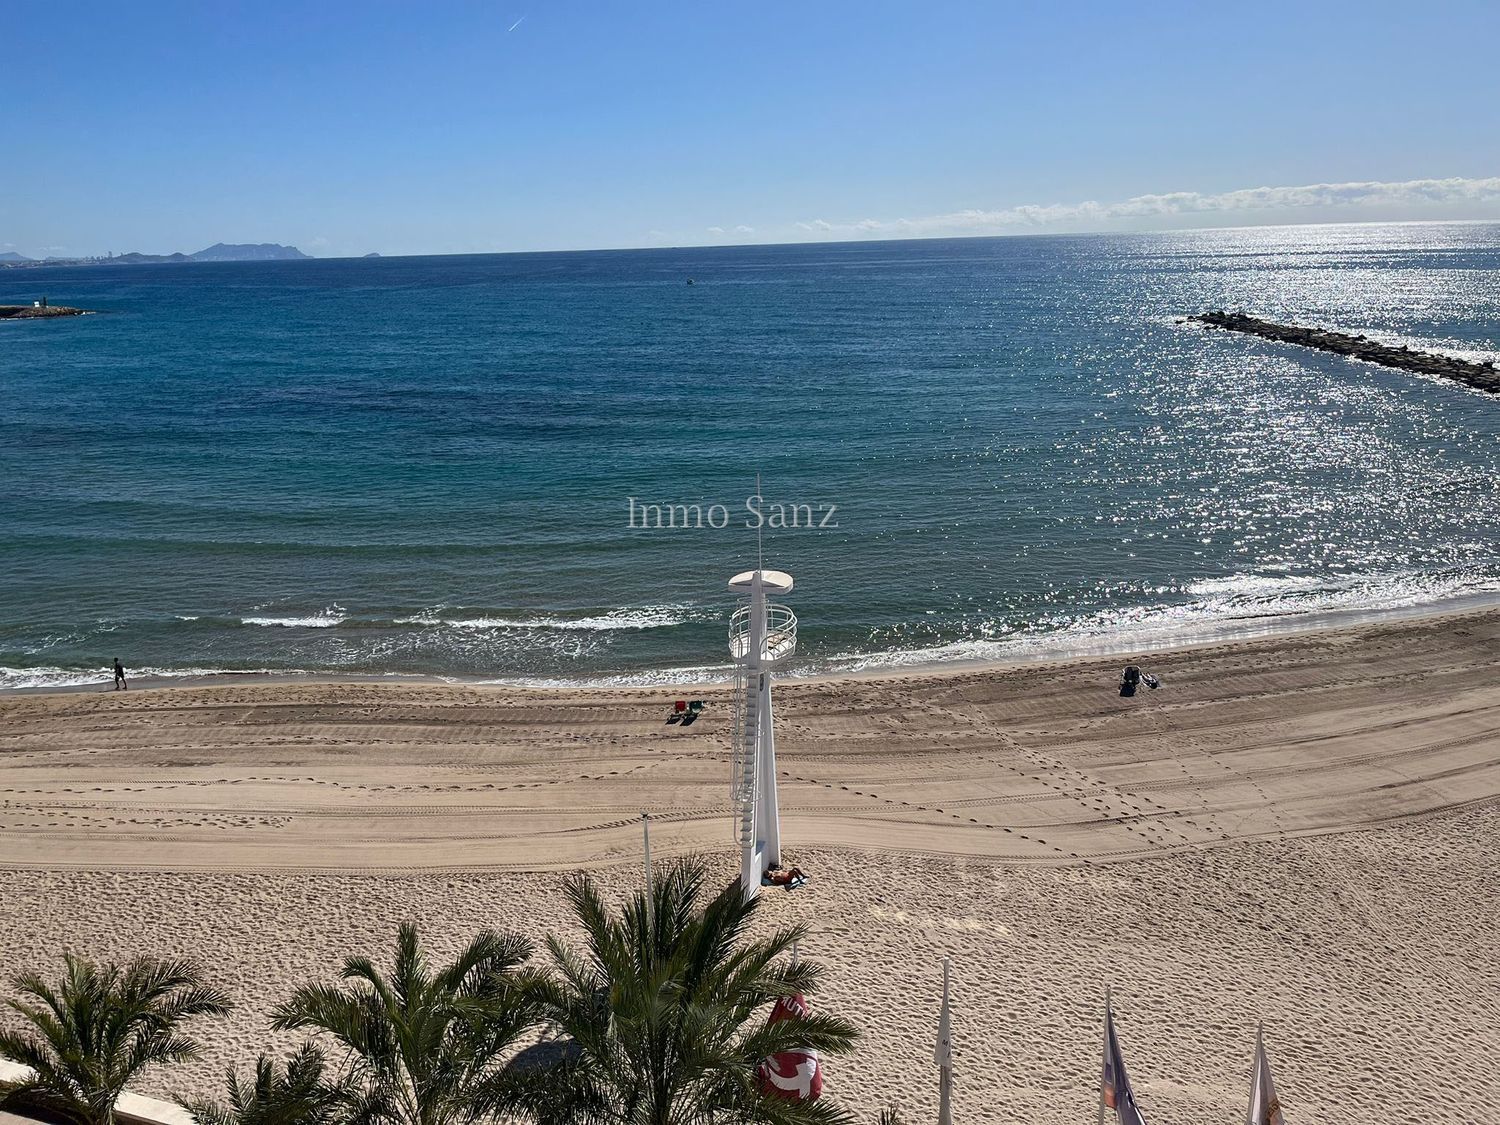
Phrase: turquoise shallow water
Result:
[422,465]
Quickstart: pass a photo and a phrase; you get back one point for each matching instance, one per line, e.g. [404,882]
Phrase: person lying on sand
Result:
[777,877]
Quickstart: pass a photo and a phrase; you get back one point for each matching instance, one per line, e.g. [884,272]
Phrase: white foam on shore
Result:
[661,677]
[1236,607]
[1239,607]
[22,679]
[1252,585]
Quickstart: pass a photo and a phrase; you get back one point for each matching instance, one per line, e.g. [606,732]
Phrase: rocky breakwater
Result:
[37,312]
[1481,376]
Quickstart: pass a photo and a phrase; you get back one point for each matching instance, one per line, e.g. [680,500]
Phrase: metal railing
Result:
[742,773]
[781,633]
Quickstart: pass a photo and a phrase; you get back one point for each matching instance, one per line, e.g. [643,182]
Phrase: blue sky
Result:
[347,127]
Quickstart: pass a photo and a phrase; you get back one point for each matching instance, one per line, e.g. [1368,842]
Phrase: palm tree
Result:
[421,1042]
[99,1029]
[664,1015]
[294,1094]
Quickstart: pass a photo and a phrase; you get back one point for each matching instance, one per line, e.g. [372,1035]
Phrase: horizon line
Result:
[306,257]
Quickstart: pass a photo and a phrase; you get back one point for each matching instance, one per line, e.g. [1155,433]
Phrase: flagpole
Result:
[650,891]
[1105,1064]
[945,1058]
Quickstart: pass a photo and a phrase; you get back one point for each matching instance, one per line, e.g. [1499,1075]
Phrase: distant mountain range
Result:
[218,252]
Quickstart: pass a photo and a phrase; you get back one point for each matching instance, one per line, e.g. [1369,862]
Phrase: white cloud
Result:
[1224,208]
[743,229]
[715,230]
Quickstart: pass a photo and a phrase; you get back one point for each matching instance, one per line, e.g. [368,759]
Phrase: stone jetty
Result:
[36,312]
[1481,376]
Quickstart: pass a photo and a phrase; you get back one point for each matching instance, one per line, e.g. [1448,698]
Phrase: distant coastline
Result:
[13,258]
[218,252]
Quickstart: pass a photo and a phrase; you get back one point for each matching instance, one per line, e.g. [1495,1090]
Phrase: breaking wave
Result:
[641,617]
[326,619]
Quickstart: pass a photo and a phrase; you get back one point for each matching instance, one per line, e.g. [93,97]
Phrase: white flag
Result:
[1264,1108]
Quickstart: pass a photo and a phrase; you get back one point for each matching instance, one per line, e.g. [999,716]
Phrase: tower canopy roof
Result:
[774,581]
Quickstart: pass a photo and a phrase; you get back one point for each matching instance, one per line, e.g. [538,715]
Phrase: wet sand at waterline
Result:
[1303,830]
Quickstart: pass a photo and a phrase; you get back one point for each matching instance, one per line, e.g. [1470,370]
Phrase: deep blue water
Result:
[421,465]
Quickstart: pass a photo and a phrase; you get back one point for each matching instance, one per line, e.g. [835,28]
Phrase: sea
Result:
[544,468]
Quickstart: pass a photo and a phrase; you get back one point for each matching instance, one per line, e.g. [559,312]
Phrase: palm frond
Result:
[421,1041]
[294,1093]
[100,1027]
[664,1011]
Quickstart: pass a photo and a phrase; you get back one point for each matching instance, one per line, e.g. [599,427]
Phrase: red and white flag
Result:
[796,1074]
[1264,1108]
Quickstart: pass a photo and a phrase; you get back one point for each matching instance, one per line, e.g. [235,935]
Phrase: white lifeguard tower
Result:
[761,635]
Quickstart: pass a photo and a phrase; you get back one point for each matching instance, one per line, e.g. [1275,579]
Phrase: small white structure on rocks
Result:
[762,634]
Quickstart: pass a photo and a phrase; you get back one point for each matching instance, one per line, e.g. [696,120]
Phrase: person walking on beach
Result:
[120,684]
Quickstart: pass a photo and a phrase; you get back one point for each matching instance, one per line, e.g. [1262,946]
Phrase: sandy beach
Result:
[1302,830]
